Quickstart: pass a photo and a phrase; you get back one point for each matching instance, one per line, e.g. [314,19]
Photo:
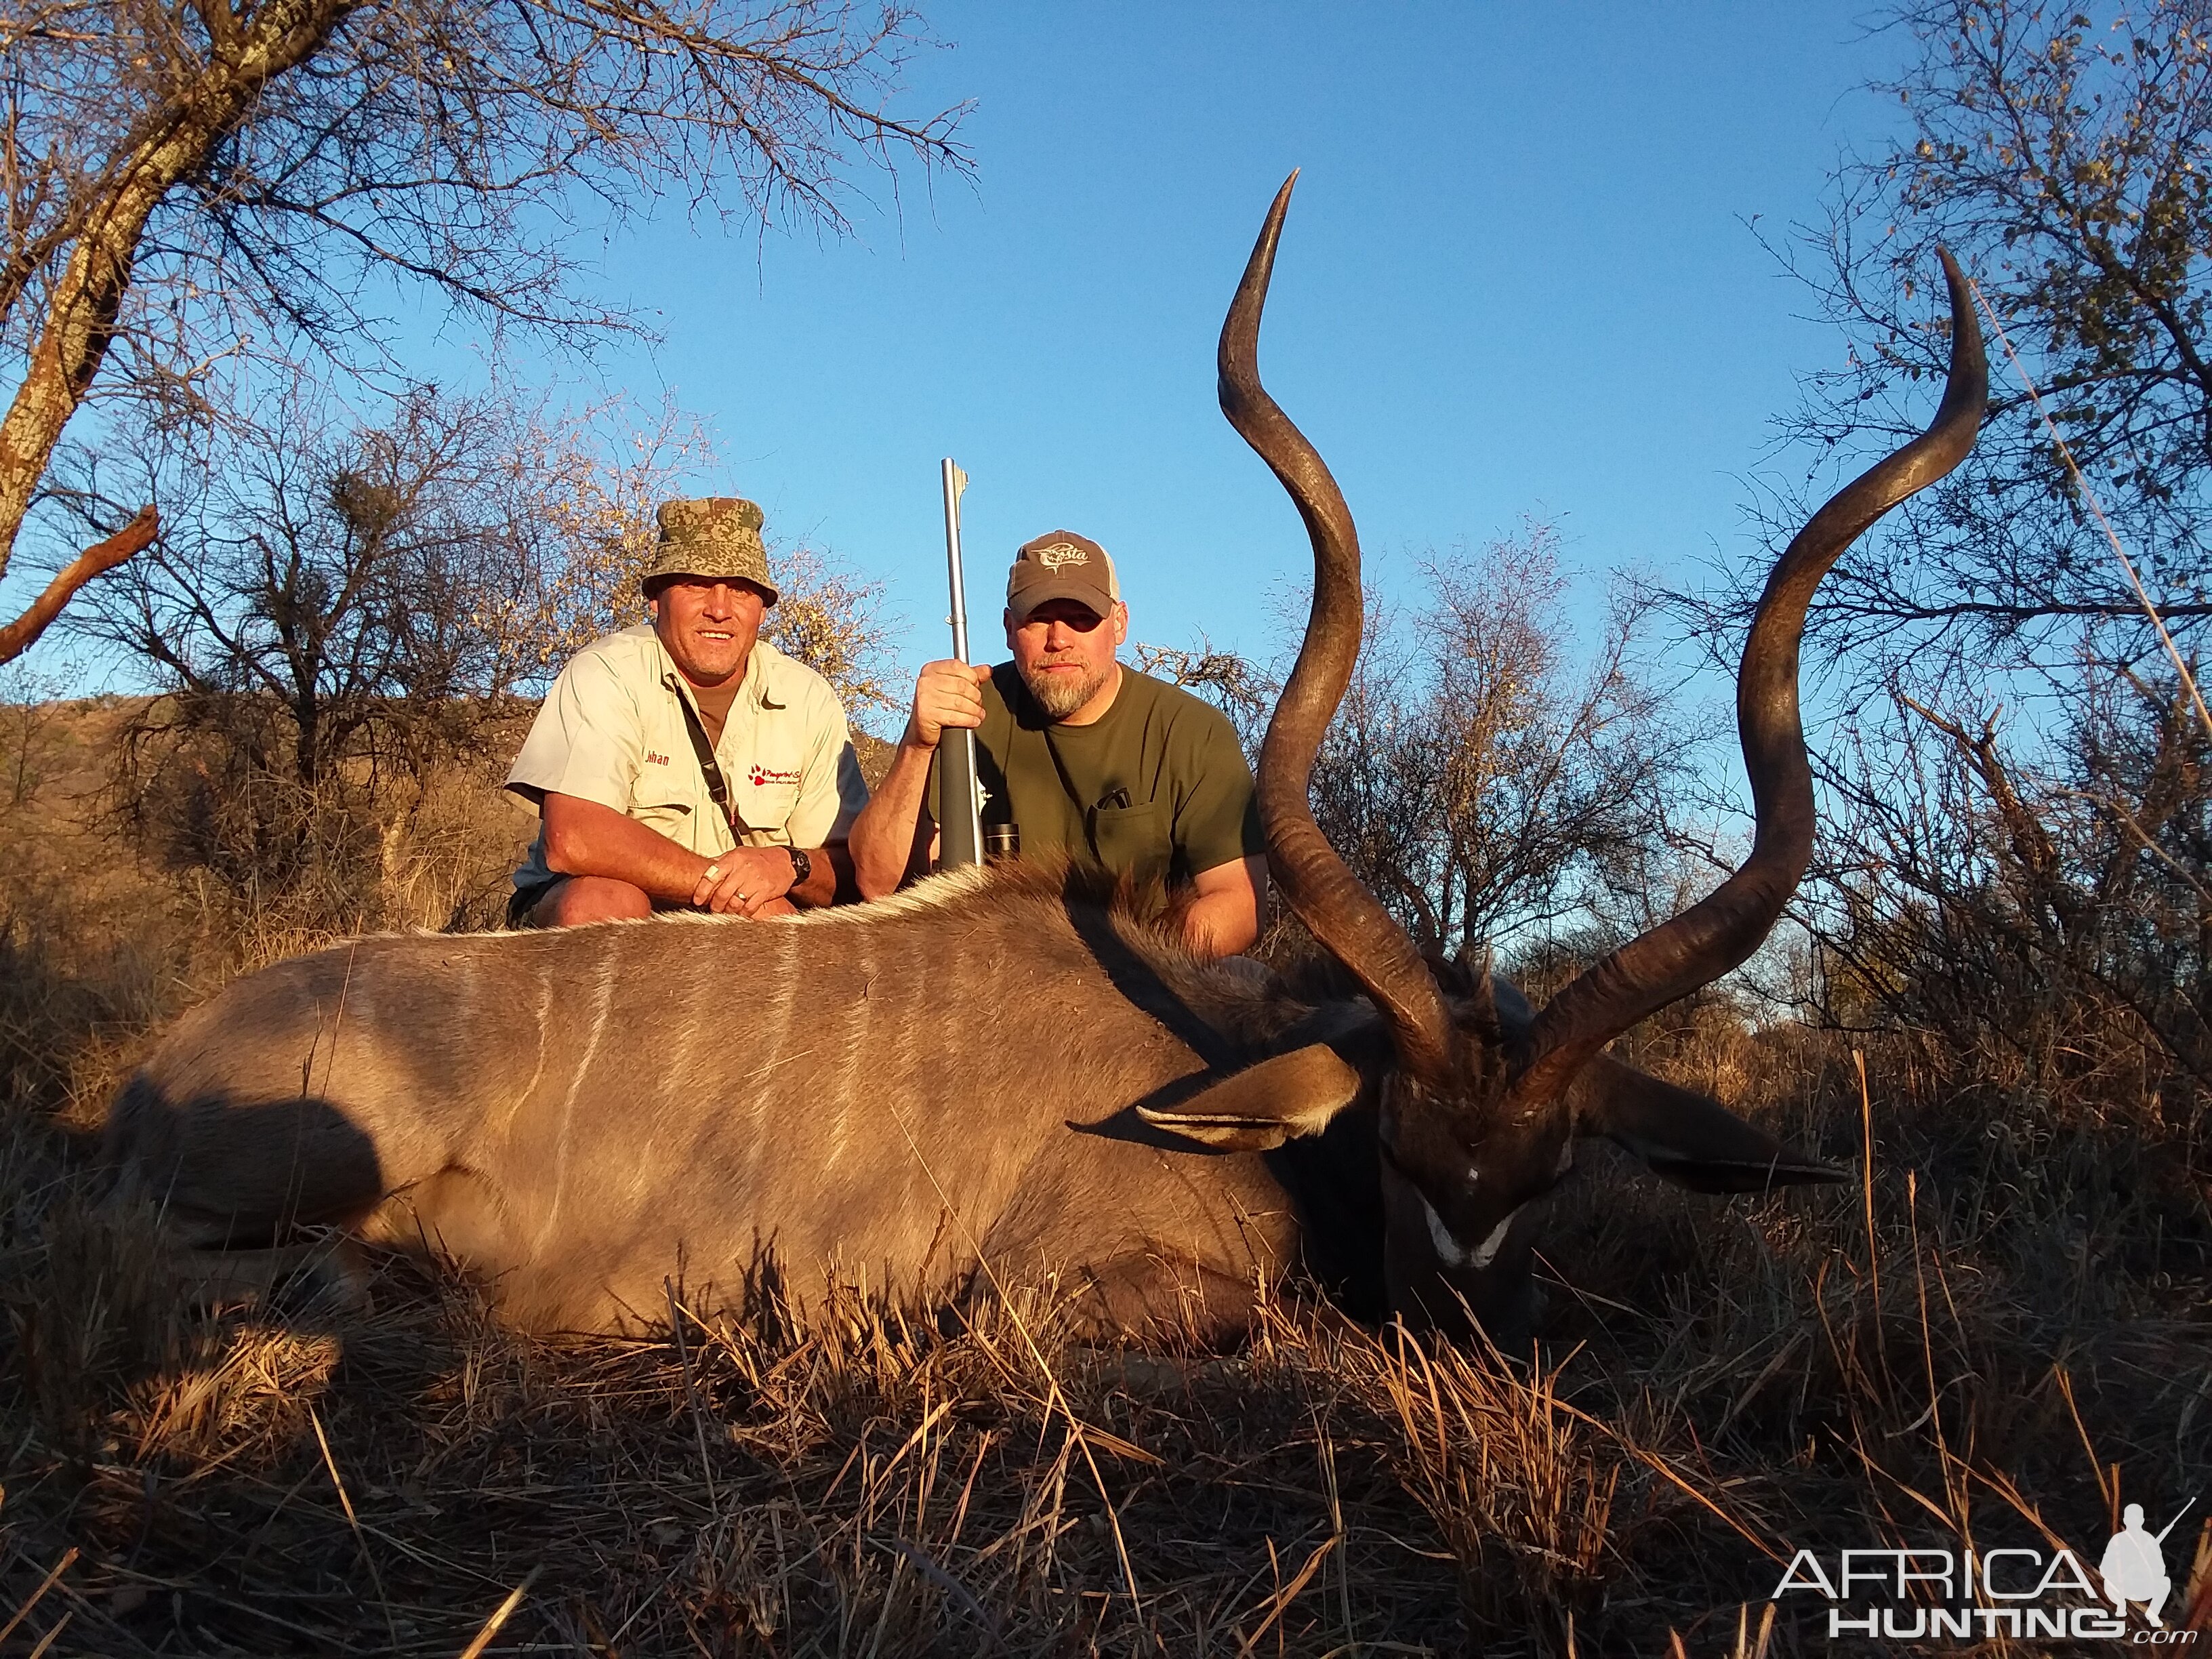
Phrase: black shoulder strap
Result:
[718,788]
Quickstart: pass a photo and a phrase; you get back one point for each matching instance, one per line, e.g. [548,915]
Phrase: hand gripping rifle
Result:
[959,801]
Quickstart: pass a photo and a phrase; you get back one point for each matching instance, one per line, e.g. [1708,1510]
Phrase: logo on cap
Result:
[1060,553]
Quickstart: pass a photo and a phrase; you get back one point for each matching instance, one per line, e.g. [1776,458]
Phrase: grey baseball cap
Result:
[1062,565]
[717,537]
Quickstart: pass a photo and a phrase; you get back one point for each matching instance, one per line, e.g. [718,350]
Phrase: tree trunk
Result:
[176,139]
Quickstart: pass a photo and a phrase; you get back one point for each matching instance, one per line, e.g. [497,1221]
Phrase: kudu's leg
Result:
[1155,1296]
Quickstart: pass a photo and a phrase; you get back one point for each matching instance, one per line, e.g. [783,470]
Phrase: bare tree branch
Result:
[21,635]
[194,183]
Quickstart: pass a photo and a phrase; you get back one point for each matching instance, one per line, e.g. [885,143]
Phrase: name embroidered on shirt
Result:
[761,775]
[656,760]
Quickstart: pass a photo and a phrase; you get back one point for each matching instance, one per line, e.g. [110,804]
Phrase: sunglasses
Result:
[1081,620]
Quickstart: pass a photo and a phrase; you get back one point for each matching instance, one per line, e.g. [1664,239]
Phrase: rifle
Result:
[959,802]
[2176,1522]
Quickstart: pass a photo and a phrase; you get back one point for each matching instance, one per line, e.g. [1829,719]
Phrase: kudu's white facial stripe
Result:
[1487,1252]
[1447,1247]
[1452,1252]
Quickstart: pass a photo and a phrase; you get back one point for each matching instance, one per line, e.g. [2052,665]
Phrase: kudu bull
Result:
[999,1074]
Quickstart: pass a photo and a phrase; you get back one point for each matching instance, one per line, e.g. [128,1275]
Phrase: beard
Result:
[1060,695]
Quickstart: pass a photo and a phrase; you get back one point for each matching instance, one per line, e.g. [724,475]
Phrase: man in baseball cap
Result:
[1062,565]
[1082,756]
[686,763]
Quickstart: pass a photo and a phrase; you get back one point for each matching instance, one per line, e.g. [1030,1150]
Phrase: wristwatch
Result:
[802,865]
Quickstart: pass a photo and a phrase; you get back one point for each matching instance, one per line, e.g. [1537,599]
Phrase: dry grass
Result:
[2002,1337]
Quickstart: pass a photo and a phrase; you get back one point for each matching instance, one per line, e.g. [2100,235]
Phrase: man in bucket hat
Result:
[686,763]
[1083,757]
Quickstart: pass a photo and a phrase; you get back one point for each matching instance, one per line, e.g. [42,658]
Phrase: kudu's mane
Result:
[1053,878]
[1133,926]
[1053,905]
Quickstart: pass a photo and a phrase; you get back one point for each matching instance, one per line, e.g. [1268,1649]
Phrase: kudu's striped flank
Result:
[1010,1070]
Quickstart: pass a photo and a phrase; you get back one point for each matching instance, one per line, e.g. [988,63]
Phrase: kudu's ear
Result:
[1694,1141]
[1263,1106]
[1464,976]
[1452,974]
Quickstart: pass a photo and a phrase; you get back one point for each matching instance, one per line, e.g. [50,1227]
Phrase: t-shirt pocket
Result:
[1132,840]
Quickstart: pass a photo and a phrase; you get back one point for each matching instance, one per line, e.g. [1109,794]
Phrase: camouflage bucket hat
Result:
[718,536]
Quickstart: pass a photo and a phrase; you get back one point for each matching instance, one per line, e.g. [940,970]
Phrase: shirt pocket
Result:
[666,815]
[1132,840]
[765,809]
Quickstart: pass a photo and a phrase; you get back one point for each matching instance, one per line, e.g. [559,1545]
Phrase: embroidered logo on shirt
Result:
[761,775]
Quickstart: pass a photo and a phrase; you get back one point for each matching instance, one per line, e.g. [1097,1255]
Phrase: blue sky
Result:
[1517,279]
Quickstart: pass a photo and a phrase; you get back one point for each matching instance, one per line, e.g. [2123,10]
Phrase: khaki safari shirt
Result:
[612,731]
[1157,788]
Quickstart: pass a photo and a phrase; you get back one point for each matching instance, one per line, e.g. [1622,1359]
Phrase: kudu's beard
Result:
[1060,695]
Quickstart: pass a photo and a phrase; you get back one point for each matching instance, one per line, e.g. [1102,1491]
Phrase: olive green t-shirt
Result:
[1157,788]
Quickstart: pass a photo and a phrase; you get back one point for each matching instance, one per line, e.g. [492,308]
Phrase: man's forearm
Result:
[883,836]
[820,887]
[583,838]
